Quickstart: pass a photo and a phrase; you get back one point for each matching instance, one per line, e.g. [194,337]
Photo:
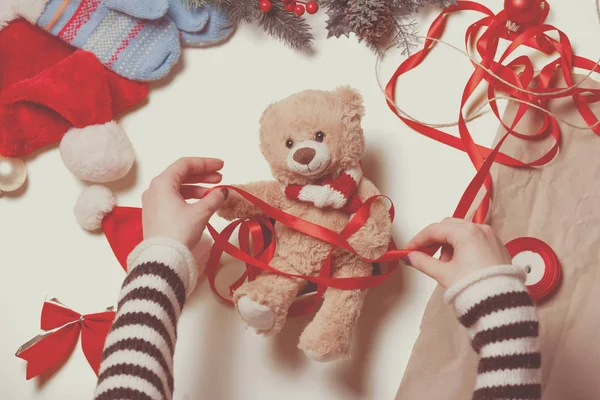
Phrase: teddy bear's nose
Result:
[304,155]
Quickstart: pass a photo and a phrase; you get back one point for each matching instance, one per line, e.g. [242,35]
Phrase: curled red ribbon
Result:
[123,231]
[62,327]
[552,273]
[518,73]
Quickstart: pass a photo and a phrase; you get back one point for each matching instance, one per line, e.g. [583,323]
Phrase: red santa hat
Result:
[51,92]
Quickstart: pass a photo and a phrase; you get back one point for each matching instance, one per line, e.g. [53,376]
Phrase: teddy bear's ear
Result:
[265,112]
[352,102]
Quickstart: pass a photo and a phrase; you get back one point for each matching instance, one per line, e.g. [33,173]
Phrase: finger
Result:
[192,191]
[213,177]
[431,267]
[445,232]
[210,203]
[447,253]
[181,169]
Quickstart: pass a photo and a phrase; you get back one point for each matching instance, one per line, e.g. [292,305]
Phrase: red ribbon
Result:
[123,227]
[486,46]
[518,73]
[63,326]
[552,274]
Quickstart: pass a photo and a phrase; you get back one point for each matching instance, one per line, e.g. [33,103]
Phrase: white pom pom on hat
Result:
[97,153]
[31,10]
[93,204]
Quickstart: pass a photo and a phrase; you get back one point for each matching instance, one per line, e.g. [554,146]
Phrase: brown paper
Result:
[558,203]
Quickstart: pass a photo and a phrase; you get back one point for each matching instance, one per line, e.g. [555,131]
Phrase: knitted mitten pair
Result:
[199,27]
[138,39]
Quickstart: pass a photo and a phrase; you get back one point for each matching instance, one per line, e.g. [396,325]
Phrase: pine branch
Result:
[405,37]
[407,8]
[285,26]
[196,3]
[404,8]
[337,23]
[242,10]
[238,10]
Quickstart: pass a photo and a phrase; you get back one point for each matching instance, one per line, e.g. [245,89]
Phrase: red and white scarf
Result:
[339,193]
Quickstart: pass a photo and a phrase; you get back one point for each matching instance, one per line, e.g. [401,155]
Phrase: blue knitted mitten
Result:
[188,20]
[137,49]
[217,30]
[142,9]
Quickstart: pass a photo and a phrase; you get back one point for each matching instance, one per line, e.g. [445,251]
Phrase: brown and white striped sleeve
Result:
[495,307]
[137,361]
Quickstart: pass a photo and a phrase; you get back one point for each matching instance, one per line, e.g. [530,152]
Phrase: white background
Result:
[210,107]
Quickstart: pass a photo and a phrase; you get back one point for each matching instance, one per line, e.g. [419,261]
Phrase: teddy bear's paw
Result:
[324,345]
[257,316]
[323,358]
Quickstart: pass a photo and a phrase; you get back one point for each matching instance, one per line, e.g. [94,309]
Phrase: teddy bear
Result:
[313,142]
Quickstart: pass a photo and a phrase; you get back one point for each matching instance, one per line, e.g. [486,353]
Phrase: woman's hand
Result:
[164,209]
[466,248]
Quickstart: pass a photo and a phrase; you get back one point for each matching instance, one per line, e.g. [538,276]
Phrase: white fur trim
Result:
[93,204]
[256,315]
[97,153]
[169,252]
[14,9]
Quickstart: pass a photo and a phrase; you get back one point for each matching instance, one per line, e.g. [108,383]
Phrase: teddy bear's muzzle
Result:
[309,158]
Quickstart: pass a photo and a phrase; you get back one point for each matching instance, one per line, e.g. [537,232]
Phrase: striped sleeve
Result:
[137,361]
[495,307]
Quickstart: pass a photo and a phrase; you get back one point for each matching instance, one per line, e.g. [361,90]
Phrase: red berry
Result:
[265,6]
[312,7]
[289,7]
[299,9]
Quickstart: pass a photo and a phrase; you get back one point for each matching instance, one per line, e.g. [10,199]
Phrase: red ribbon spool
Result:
[552,270]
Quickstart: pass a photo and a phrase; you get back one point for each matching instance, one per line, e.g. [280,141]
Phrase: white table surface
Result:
[211,108]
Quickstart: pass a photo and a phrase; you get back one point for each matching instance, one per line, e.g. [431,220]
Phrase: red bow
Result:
[62,326]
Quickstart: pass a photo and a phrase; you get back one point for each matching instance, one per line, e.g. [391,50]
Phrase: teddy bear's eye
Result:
[319,136]
[289,143]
